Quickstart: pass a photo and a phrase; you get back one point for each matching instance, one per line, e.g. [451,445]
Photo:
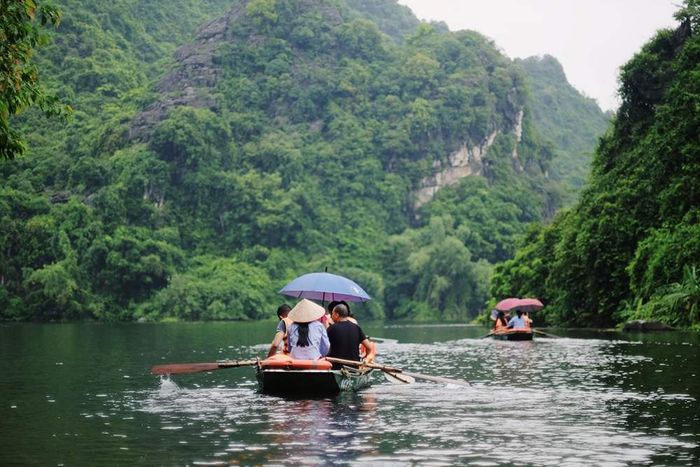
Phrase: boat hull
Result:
[513,335]
[295,378]
[296,382]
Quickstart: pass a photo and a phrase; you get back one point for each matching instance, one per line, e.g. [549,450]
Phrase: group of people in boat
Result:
[503,321]
[310,332]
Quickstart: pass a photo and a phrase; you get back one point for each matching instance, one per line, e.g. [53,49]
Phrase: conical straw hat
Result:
[306,311]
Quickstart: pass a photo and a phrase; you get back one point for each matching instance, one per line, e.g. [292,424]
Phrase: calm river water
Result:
[81,394]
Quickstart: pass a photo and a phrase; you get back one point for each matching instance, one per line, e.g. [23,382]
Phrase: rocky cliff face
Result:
[193,73]
[201,67]
[466,161]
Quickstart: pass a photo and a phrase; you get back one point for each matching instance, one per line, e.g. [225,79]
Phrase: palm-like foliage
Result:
[677,303]
[681,300]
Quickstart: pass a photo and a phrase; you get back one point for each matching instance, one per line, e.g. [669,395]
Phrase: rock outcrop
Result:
[466,161]
[194,72]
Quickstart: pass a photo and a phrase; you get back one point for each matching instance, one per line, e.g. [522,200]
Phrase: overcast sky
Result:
[591,38]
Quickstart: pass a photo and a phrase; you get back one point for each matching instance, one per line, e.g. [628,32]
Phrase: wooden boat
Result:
[282,375]
[513,335]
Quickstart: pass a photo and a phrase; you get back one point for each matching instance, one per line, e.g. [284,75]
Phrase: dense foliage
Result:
[285,136]
[571,121]
[21,31]
[630,247]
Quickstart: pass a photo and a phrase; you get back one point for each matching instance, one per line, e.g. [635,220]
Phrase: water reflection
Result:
[239,425]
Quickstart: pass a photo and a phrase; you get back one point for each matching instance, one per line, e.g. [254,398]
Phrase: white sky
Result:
[591,38]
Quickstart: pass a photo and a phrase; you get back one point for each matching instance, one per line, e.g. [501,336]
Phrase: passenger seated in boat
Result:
[326,319]
[517,322]
[501,323]
[306,336]
[346,337]
[281,332]
[351,318]
[528,320]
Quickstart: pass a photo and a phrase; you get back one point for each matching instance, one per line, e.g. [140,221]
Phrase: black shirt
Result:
[345,338]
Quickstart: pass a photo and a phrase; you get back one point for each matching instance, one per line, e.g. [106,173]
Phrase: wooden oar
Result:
[183,368]
[487,335]
[398,378]
[400,372]
[546,334]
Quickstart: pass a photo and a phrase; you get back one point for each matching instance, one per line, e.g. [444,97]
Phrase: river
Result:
[81,394]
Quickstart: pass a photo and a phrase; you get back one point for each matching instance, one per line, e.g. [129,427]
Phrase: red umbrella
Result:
[529,304]
[508,304]
[522,304]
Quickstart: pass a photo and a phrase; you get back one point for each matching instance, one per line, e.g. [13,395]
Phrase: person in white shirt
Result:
[517,322]
[307,337]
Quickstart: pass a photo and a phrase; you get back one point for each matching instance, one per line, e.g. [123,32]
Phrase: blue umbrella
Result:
[325,286]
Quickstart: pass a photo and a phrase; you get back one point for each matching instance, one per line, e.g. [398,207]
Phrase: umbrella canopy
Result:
[507,304]
[326,287]
[522,304]
[529,304]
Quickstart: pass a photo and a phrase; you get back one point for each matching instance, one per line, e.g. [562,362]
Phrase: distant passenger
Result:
[517,322]
[307,337]
[351,317]
[528,320]
[346,337]
[326,319]
[281,332]
[500,321]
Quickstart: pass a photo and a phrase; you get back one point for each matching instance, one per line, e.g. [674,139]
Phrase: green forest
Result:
[630,247]
[183,160]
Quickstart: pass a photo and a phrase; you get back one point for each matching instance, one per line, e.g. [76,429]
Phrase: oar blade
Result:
[546,334]
[398,378]
[183,368]
[437,379]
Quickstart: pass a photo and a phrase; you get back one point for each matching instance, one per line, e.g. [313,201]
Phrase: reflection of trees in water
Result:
[658,384]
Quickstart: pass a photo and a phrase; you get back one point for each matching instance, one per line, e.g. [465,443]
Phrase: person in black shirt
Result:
[346,337]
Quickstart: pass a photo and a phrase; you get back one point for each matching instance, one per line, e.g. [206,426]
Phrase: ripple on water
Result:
[559,402]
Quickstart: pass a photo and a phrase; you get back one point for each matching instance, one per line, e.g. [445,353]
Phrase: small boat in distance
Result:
[514,329]
[283,375]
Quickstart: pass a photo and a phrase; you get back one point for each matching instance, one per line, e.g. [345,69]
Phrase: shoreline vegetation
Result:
[632,326]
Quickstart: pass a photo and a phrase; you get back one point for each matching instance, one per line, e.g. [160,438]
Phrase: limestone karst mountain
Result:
[220,148]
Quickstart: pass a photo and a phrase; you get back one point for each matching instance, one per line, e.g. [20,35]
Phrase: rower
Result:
[281,332]
[346,337]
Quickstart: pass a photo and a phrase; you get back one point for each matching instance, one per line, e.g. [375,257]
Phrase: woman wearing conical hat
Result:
[307,337]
